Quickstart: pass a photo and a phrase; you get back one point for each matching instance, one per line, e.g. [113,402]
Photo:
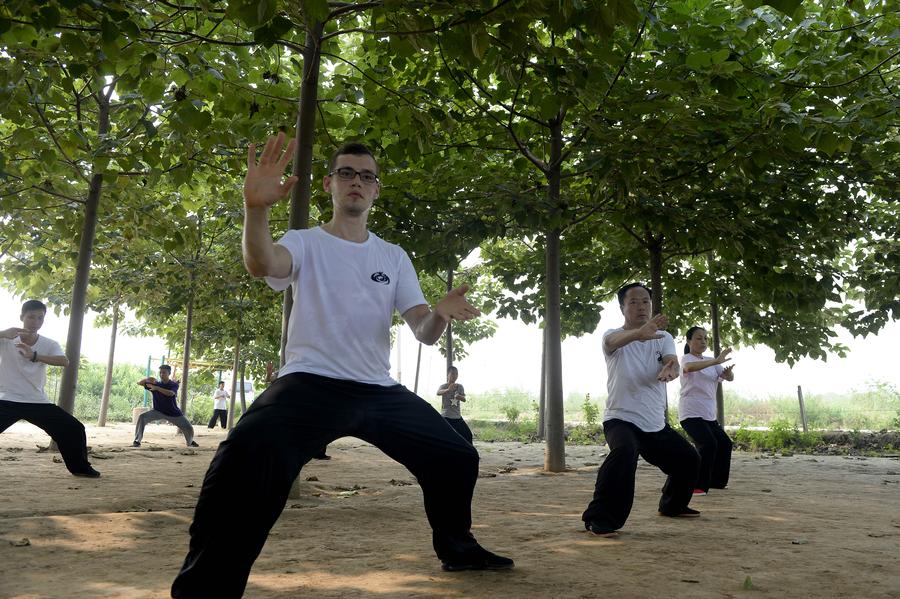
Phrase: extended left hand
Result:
[455,306]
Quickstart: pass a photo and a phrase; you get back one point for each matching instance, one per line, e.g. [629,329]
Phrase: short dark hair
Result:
[624,290]
[221,382]
[165,367]
[689,336]
[453,369]
[33,306]
[355,148]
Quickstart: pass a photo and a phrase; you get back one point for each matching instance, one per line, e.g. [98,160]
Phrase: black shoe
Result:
[600,530]
[685,513]
[136,444]
[193,444]
[89,473]
[477,559]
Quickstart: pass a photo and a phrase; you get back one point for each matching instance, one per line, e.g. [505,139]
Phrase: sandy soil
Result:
[797,526]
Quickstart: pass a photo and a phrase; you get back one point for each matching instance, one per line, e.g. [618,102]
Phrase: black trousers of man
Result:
[614,490]
[65,429]
[460,426]
[714,446]
[284,428]
[220,415]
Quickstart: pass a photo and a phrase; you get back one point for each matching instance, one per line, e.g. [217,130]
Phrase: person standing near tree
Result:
[452,393]
[164,392]
[24,357]
[335,382]
[220,406]
[700,376]
[640,360]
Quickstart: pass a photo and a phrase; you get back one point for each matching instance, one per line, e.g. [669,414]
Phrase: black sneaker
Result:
[136,444]
[477,559]
[595,528]
[89,473]
[193,444]
[685,513]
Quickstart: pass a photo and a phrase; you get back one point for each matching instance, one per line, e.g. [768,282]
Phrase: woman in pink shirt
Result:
[697,410]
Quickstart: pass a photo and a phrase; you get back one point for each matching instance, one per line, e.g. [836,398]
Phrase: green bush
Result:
[591,412]
[511,413]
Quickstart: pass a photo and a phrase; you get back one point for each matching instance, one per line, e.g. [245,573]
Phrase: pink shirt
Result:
[698,389]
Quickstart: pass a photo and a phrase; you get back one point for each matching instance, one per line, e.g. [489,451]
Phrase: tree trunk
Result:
[656,276]
[186,356]
[243,393]
[555,451]
[78,306]
[717,343]
[303,153]
[107,384]
[449,334]
[234,377]
[418,367]
[542,399]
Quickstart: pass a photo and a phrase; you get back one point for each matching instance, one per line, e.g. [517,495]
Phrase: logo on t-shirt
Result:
[380,277]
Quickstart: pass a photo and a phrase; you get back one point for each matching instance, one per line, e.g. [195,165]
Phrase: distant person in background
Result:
[220,406]
[163,391]
[700,376]
[452,393]
[640,360]
[24,357]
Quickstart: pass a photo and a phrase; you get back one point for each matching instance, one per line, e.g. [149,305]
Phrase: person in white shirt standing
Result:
[700,375]
[220,406]
[335,382]
[24,357]
[640,360]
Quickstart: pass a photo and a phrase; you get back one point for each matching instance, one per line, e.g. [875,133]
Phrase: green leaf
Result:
[315,10]
[720,56]
[108,31]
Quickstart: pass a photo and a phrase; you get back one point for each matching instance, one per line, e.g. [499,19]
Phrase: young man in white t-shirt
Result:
[640,360]
[220,406]
[335,382]
[24,357]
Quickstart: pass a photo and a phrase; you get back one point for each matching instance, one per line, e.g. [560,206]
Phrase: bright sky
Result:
[512,359]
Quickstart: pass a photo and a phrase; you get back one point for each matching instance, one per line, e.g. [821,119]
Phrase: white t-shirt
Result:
[220,397]
[22,380]
[345,294]
[698,390]
[635,395]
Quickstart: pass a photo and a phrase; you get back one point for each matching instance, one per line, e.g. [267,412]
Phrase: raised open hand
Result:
[649,330]
[723,356]
[455,306]
[263,185]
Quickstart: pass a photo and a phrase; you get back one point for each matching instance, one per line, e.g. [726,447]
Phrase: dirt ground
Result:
[798,526]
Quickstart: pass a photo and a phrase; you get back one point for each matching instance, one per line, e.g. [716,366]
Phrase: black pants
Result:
[65,429]
[292,420]
[460,426]
[714,446]
[222,416]
[614,491]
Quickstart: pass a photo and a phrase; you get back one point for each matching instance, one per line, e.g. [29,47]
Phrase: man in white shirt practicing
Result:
[220,406]
[640,360]
[346,284]
[24,357]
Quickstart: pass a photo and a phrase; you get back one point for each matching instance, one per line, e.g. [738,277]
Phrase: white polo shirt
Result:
[635,395]
[345,294]
[698,390]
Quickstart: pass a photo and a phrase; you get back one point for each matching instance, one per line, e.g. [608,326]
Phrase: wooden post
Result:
[418,366]
[802,408]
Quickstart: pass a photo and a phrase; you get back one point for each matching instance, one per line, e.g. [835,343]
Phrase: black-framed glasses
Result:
[346,173]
